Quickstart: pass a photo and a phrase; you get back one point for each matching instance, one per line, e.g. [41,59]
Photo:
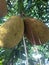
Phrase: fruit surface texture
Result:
[36,31]
[11,32]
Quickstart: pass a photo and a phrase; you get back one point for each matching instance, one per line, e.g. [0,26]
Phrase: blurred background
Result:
[26,54]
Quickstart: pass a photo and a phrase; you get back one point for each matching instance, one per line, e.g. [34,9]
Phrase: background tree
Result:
[37,55]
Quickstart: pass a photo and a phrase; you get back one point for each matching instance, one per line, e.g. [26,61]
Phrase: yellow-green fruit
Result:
[11,32]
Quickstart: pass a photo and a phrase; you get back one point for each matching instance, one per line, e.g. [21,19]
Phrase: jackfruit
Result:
[36,31]
[3,8]
[11,32]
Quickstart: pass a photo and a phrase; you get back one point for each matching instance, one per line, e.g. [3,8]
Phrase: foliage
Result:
[32,8]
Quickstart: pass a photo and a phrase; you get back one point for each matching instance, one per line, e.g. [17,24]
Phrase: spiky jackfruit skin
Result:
[36,30]
[11,32]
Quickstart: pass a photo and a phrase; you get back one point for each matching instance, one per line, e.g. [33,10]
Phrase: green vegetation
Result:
[37,55]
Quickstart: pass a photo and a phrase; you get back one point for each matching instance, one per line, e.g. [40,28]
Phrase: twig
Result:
[25,51]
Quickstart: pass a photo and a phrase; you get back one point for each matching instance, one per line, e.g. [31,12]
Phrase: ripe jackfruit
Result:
[36,31]
[11,32]
[3,8]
